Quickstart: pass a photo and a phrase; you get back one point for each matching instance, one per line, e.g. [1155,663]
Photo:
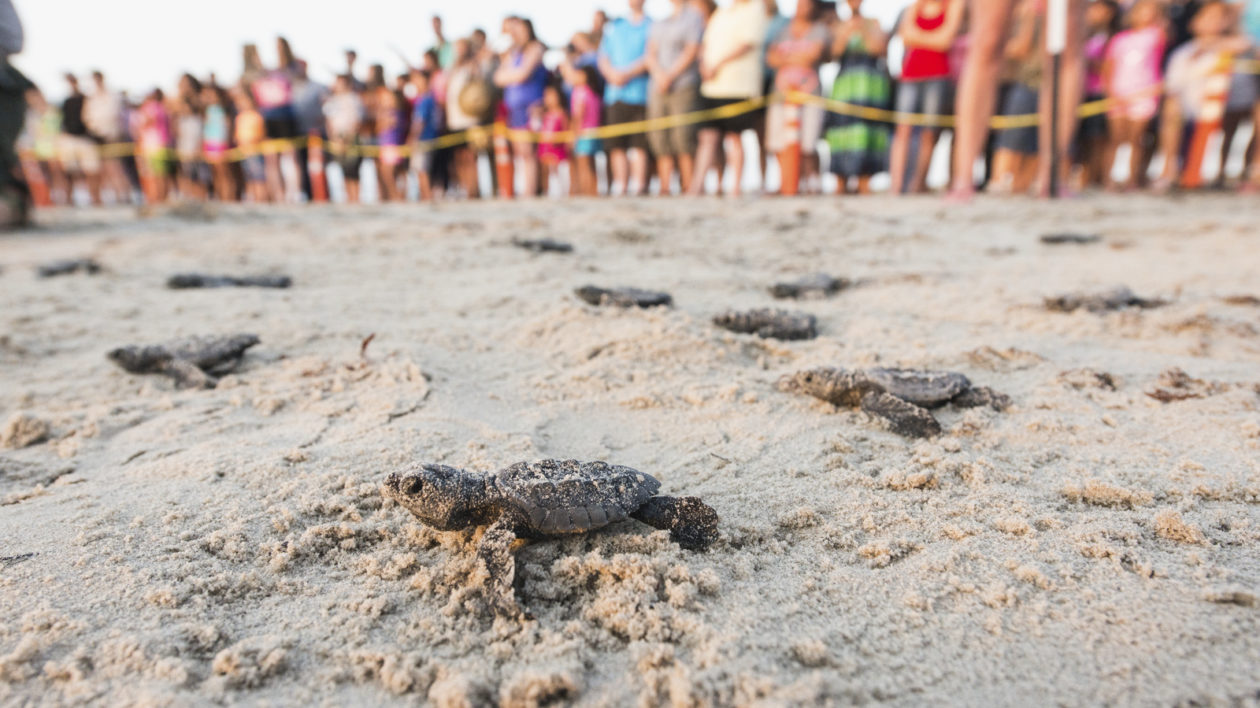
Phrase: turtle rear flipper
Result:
[690,522]
[904,418]
[977,396]
[187,375]
[495,553]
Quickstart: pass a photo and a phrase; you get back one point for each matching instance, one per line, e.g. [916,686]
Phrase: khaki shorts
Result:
[78,154]
[811,127]
[680,139]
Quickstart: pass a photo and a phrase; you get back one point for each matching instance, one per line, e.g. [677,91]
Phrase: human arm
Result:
[708,71]
[508,75]
[939,39]
[873,36]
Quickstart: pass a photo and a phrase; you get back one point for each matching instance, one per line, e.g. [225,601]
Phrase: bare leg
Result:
[977,91]
[684,172]
[927,145]
[495,554]
[898,155]
[1133,136]
[735,161]
[638,170]
[1170,143]
[706,154]
[665,172]
[690,522]
[620,172]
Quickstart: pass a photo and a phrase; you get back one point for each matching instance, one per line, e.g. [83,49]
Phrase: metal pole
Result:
[1054,125]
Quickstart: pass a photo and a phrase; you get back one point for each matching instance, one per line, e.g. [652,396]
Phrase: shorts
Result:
[78,154]
[586,147]
[255,168]
[347,156]
[625,113]
[933,97]
[159,165]
[750,120]
[680,139]
[1244,92]
[192,169]
[391,155]
[1020,99]
[422,161]
[214,151]
[280,123]
[1093,127]
[812,118]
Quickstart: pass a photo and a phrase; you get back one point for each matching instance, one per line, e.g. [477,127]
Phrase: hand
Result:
[707,72]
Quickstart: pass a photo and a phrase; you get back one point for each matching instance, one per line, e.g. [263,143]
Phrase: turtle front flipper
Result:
[690,522]
[186,374]
[977,396]
[495,553]
[904,418]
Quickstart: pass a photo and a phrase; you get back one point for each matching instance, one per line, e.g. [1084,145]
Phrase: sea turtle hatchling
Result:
[903,397]
[1116,298]
[542,245]
[817,285]
[543,499]
[194,362]
[623,297]
[768,323]
[68,266]
[185,281]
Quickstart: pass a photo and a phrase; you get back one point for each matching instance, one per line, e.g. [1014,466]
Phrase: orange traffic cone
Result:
[1209,120]
[503,156]
[41,195]
[790,155]
[315,166]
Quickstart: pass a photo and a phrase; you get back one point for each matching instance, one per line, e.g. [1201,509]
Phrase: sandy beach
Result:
[1095,543]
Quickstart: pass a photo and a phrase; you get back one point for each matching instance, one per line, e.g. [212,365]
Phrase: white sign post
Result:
[1056,42]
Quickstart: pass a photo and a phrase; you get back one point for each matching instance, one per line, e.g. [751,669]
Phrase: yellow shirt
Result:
[732,26]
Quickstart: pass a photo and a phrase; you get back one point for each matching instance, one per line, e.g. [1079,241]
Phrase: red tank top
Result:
[921,64]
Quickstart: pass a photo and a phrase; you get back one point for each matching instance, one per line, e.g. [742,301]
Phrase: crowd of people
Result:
[1158,79]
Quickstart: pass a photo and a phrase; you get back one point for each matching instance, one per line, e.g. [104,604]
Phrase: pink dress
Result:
[553,152]
[1135,72]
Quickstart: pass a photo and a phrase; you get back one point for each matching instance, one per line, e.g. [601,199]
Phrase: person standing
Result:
[673,52]
[462,114]
[14,194]
[79,155]
[343,119]
[927,29]
[104,115]
[522,76]
[731,73]
[795,54]
[308,101]
[859,147]
[623,62]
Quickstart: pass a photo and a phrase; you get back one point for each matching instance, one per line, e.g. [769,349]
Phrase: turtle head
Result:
[442,497]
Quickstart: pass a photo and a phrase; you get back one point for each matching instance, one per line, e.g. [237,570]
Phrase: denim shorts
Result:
[933,97]
[1018,100]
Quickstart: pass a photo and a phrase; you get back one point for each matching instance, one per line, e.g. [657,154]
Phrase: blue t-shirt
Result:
[624,44]
[426,113]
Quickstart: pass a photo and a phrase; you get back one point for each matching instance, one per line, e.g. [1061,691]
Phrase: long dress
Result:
[858,146]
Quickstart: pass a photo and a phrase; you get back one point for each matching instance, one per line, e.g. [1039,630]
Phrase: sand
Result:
[1095,543]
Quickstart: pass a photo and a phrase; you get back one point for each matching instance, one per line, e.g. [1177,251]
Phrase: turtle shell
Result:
[922,388]
[568,496]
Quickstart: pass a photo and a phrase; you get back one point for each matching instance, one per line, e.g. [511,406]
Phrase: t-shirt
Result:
[625,43]
[1135,57]
[1250,20]
[273,90]
[429,115]
[344,113]
[188,136]
[308,97]
[920,63]
[215,130]
[731,27]
[72,116]
[250,128]
[671,36]
[798,78]
[585,103]
[103,115]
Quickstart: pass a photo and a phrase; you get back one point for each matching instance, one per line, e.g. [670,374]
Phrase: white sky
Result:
[140,44]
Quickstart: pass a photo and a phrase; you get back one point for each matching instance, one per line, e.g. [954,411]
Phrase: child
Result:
[928,28]
[250,132]
[188,129]
[1015,149]
[426,124]
[552,152]
[1198,79]
[585,106]
[1131,78]
[343,119]
[216,133]
[155,139]
[392,115]
[1102,21]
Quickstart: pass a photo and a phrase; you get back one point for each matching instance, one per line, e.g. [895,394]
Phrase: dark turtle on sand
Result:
[542,245]
[623,297]
[771,324]
[903,397]
[68,266]
[544,499]
[1116,298]
[194,362]
[1072,238]
[818,285]
[184,281]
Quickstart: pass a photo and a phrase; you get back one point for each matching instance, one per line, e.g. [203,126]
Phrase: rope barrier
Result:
[482,133]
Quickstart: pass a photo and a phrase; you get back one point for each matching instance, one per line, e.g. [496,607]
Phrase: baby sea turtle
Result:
[623,297]
[183,281]
[767,323]
[1062,238]
[542,245]
[817,285]
[901,396]
[194,362]
[1116,298]
[68,266]
[544,499]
